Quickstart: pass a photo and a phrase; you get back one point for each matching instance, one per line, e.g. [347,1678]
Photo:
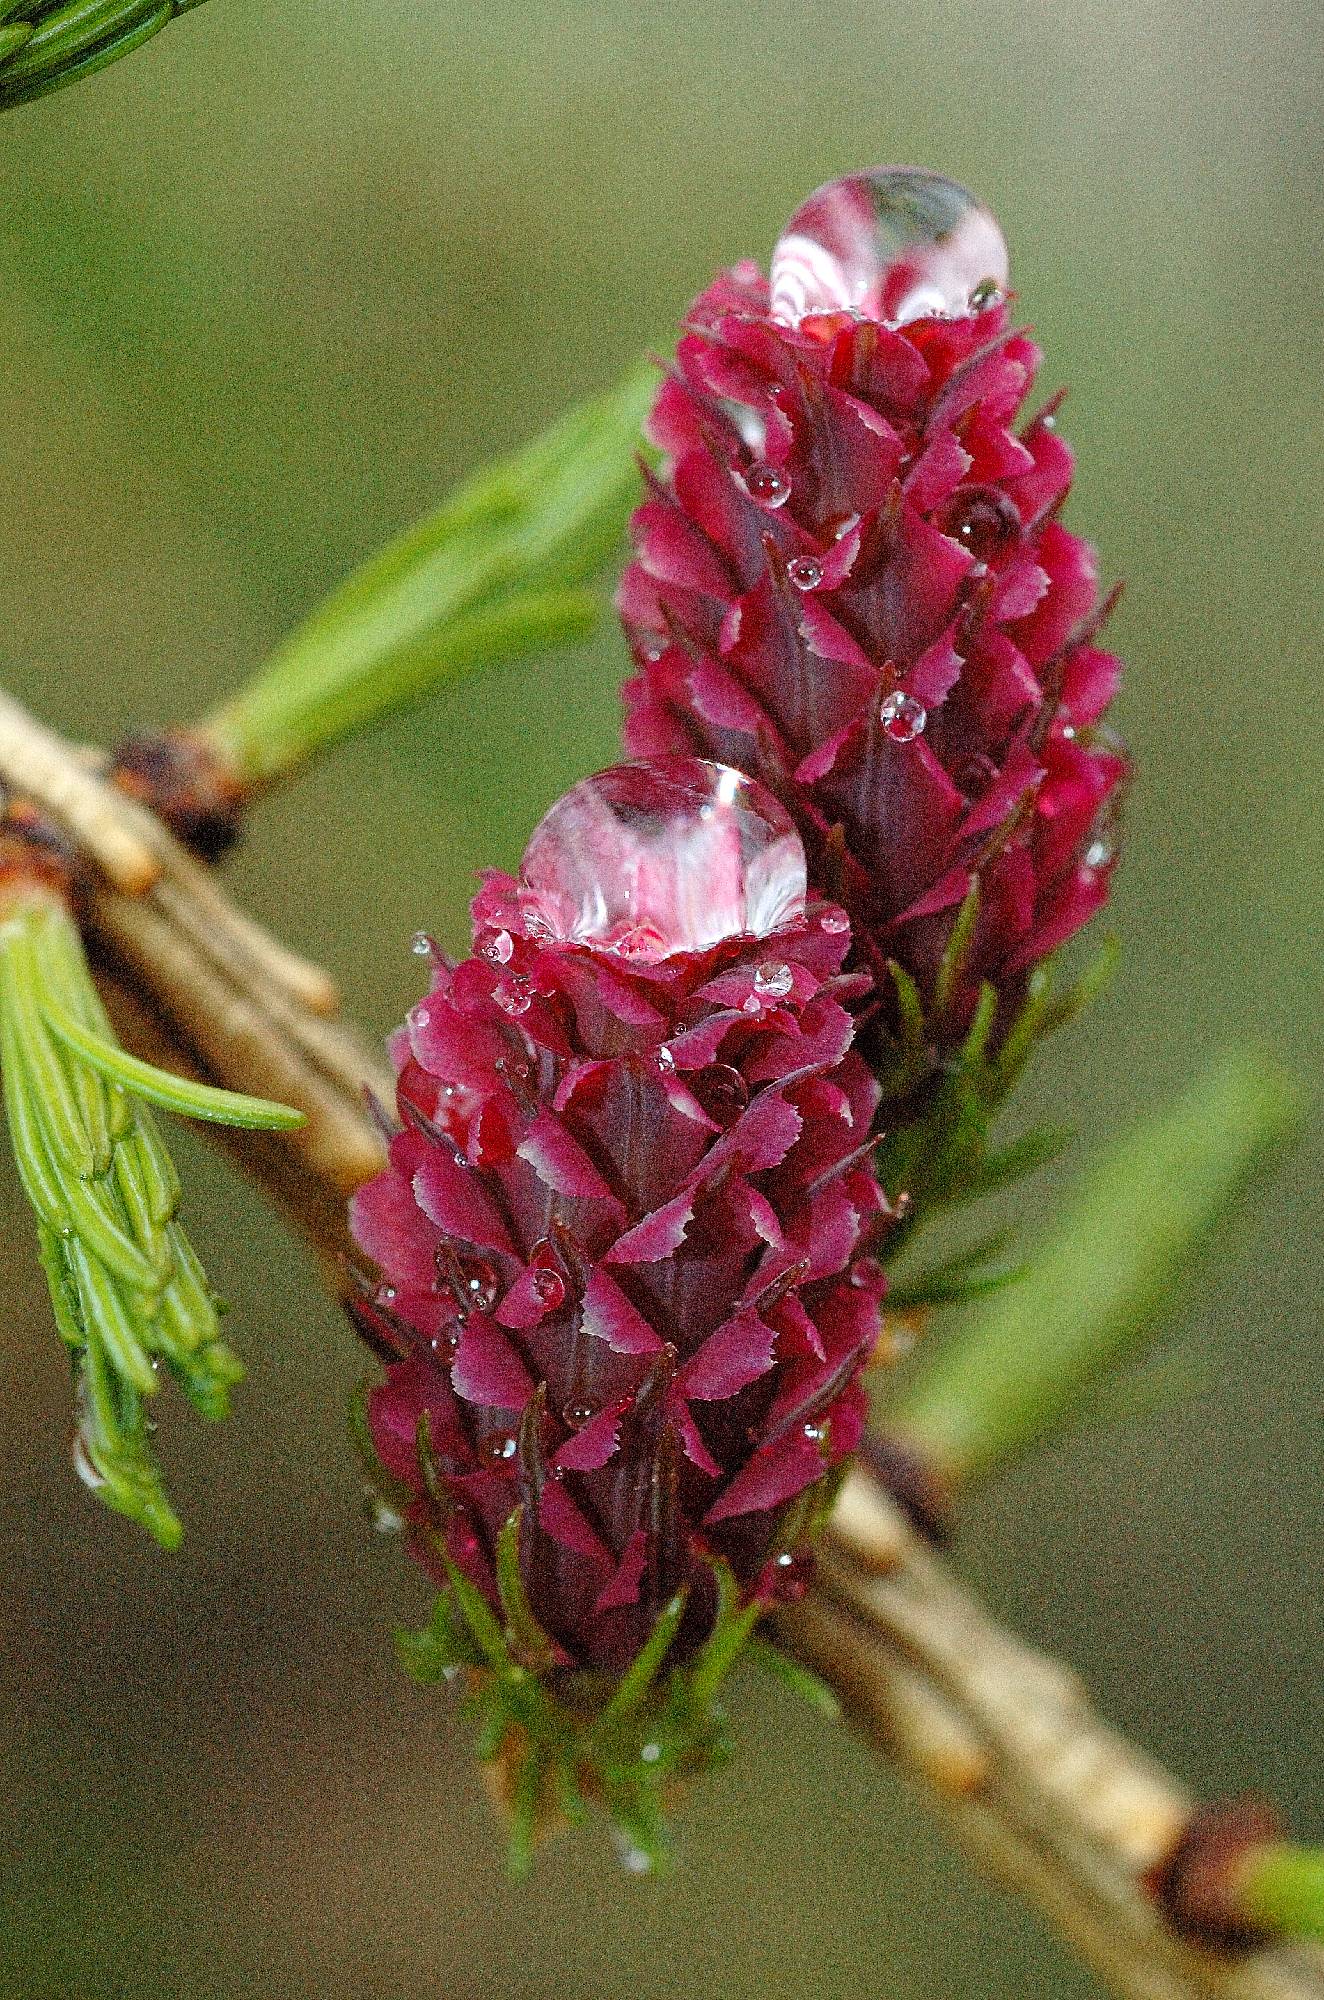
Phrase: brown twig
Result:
[1001,1741]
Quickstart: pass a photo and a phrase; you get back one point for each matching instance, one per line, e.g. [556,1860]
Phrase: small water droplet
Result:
[579,1412]
[814,1433]
[83,1464]
[497,948]
[767,484]
[419,1017]
[537,927]
[481,1281]
[773,979]
[900,1335]
[894,244]
[550,1288]
[1099,853]
[444,1344]
[805,572]
[1049,422]
[384,1518]
[386,1295]
[633,1859]
[499,1449]
[982,520]
[664,1059]
[422,945]
[513,996]
[903,718]
[651,1752]
[835,922]
[722,1090]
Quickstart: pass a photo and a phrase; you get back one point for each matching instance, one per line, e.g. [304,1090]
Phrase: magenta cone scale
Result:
[627,1232]
[851,580]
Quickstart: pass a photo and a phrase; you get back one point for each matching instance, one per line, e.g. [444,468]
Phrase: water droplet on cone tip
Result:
[984,521]
[550,1288]
[481,1282]
[894,244]
[805,572]
[903,718]
[767,484]
[667,855]
[773,979]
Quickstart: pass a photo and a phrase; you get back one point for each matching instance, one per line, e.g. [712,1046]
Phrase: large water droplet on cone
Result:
[894,244]
[667,855]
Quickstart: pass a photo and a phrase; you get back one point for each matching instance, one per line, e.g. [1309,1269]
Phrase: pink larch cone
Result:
[626,1234]
[851,580]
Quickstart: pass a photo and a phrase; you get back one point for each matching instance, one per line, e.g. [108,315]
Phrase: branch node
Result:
[913,1481]
[1196,1883]
[180,777]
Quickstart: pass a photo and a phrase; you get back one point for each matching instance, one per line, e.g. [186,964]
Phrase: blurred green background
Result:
[265,291]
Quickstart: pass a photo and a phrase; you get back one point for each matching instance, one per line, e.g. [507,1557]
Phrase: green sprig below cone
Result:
[559,1741]
[560,1744]
[46,44]
[496,572]
[128,1292]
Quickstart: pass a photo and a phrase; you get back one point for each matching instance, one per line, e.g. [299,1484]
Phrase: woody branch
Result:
[1000,1741]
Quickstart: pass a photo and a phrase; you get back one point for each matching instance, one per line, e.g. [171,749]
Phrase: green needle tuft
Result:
[129,1296]
[498,571]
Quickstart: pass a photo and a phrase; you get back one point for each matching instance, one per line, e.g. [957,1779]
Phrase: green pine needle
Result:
[801,1680]
[497,572]
[129,1296]
[941,1149]
[50,44]
[1281,1890]
[1018,1371]
[158,1086]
